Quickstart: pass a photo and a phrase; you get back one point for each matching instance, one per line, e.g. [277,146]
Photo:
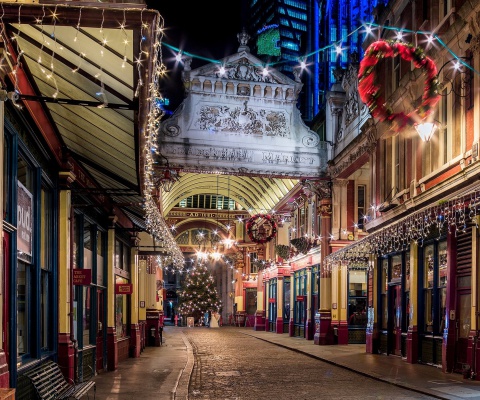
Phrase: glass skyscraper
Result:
[287,32]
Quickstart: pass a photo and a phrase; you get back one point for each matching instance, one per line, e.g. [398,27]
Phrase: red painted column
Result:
[135,342]
[112,349]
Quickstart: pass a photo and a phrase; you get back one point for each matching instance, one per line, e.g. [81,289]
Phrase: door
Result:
[395,322]
[462,328]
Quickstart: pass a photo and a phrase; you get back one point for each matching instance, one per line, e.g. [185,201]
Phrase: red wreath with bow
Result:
[369,88]
[253,233]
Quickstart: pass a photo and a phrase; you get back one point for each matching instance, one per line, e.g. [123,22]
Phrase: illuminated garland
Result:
[369,88]
[251,223]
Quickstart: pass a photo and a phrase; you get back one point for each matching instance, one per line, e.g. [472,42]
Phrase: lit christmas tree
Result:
[198,294]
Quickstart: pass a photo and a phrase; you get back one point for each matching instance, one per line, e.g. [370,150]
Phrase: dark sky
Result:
[206,29]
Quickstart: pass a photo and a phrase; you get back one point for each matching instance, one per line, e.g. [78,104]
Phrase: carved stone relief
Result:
[244,120]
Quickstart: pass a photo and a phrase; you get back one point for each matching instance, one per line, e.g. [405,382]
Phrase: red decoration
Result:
[369,88]
[254,234]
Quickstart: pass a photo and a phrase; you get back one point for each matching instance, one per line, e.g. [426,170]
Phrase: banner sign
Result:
[82,276]
[123,288]
[24,220]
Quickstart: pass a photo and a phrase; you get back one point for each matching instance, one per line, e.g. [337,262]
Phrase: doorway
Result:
[395,323]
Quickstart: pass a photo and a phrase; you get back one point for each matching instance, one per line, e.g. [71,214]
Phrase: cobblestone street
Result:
[231,365]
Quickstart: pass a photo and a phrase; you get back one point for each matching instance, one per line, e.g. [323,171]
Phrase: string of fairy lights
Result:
[391,238]
[430,39]
[155,222]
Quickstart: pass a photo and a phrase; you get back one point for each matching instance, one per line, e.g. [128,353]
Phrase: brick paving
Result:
[232,363]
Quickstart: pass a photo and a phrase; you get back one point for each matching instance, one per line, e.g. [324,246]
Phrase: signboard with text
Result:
[82,276]
[24,220]
[123,288]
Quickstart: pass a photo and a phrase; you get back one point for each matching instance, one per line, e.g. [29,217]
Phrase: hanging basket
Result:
[283,251]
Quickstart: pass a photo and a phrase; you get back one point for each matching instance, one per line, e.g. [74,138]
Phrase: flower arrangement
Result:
[260,220]
[369,88]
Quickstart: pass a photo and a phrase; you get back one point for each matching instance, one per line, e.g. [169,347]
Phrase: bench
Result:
[50,383]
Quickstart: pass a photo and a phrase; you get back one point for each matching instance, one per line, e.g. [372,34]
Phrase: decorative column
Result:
[66,338]
[142,311]
[267,304]
[260,313]
[112,347]
[239,288]
[340,284]
[339,208]
[309,323]
[412,272]
[279,320]
[373,312]
[135,342]
[323,334]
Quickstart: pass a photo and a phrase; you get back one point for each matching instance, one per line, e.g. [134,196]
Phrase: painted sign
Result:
[82,276]
[271,300]
[24,220]
[300,298]
[123,288]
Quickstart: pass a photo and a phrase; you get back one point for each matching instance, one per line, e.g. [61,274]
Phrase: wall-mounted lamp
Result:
[426,130]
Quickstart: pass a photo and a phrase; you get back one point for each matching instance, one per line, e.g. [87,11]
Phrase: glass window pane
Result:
[120,315]
[442,308]
[396,272]
[44,310]
[428,266]
[428,310]
[464,317]
[442,263]
[86,314]
[22,309]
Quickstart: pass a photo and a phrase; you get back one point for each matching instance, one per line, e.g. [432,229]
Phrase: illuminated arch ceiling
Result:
[254,194]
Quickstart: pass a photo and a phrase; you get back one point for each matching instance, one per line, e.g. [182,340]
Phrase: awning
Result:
[88,76]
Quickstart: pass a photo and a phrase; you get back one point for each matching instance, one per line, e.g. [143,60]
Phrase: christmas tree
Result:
[198,294]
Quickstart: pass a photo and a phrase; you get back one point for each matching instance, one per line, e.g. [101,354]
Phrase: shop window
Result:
[251,301]
[286,299]
[23,308]
[407,288]
[383,291]
[361,204]
[300,289]
[101,250]
[122,256]
[120,314]
[253,257]
[434,287]
[46,254]
[357,297]
[272,300]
